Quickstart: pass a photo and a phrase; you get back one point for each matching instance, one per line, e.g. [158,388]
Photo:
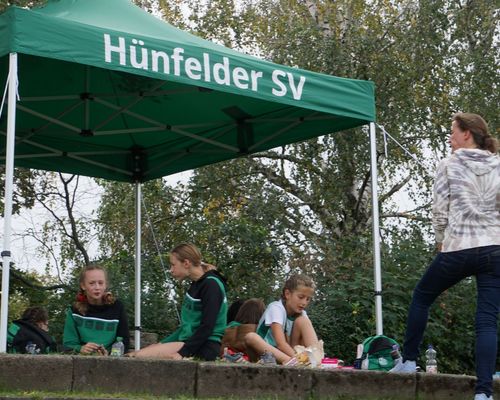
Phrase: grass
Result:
[41,395]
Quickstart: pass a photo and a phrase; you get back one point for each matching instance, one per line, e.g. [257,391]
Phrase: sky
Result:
[26,249]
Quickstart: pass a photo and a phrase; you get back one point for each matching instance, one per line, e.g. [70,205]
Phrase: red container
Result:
[329,363]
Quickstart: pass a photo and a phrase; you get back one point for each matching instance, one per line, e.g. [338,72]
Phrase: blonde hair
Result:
[479,130]
[82,304]
[187,251]
[295,281]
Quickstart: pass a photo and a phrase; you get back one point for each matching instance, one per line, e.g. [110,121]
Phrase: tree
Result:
[422,76]
[227,237]
[20,3]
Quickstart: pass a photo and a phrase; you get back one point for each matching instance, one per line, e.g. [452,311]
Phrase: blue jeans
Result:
[446,270]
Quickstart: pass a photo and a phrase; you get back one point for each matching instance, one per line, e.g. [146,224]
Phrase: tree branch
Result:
[405,215]
[395,188]
[287,157]
[69,200]
[26,282]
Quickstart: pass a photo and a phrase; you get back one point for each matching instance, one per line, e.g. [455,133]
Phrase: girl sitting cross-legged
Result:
[285,323]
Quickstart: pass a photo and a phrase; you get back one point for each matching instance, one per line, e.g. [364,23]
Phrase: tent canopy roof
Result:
[108,90]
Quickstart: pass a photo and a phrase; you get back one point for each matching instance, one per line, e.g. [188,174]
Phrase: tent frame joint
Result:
[86,132]
[138,161]
[86,96]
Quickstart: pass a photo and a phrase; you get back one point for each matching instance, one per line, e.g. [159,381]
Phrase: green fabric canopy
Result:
[108,90]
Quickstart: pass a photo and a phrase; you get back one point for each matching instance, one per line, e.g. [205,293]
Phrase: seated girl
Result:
[31,330]
[285,323]
[96,319]
[244,322]
[203,314]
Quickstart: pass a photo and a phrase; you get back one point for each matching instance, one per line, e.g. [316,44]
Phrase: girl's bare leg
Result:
[303,333]
[259,345]
[158,350]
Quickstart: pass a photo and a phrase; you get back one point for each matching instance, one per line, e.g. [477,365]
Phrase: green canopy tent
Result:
[105,89]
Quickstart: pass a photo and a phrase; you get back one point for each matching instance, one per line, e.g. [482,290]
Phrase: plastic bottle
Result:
[118,347]
[395,354]
[431,361]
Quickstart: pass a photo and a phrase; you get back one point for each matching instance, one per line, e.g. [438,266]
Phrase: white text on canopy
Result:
[178,64]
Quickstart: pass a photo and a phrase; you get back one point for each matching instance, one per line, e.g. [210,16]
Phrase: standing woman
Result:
[96,319]
[466,220]
[203,314]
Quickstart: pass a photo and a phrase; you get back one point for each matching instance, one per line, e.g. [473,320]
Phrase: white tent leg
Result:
[376,232]
[137,333]
[9,183]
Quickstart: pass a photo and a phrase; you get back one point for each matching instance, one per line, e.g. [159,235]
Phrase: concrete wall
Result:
[209,380]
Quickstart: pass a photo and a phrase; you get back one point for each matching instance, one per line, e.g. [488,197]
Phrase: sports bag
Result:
[377,353]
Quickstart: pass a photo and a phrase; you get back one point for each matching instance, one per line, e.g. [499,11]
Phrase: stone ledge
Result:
[128,375]
[445,386]
[361,384]
[253,381]
[28,372]
[86,374]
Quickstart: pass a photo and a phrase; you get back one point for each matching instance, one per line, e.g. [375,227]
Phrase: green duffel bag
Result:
[377,353]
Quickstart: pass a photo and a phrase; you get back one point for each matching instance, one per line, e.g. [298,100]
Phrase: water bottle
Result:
[431,361]
[395,354]
[118,347]
[30,348]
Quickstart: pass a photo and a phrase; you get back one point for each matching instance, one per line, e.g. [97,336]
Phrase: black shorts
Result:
[210,351]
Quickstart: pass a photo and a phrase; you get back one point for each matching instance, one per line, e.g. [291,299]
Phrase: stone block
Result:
[35,372]
[131,375]
[358,384]
[445,386]
[250,381]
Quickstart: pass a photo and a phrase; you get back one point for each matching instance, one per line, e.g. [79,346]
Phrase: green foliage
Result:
[27,290]
[24,190]
[344,315]
[20,3]
[234,238]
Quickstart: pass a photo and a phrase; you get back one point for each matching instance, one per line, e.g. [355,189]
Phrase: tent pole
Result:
[376,232]
[137,332]
[9,183]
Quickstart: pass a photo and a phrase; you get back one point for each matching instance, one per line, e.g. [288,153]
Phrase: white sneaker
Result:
[482,396]
[407,367]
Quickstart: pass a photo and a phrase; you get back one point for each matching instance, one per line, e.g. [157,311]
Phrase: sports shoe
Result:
[267,358]
[407,367]
[482,396]
[234,357]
